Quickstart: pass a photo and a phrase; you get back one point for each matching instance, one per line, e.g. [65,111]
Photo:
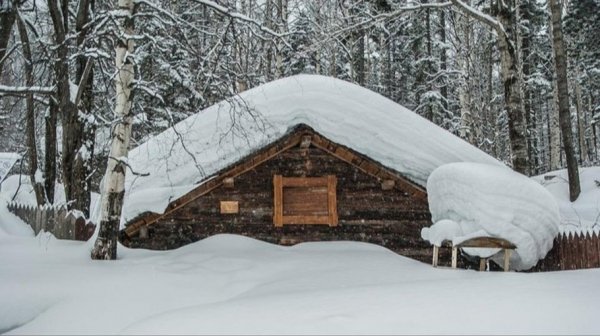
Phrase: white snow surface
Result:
[7,160]
[472,199]
[583,215]
[233,285]
[182,157]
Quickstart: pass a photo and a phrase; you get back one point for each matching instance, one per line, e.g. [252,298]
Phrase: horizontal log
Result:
[304,181]
[305,219]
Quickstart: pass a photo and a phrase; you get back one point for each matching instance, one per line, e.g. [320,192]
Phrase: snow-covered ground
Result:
[230,284]
[584,213]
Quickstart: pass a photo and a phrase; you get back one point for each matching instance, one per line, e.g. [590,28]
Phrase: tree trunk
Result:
[430,112]
[553,119]
[504,28]
[583,147]
[443,68]
[553,125]
[560,57]
[113,188]
[525,35]
[282,16]
[358,64]
[517,128]
[81,183]
[50,150]
[389,75]
[269,45]
[34,175]
[464,90]
[7,20]
[71,123]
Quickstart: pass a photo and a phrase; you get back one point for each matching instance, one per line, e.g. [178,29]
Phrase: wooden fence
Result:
[63,224]
[579,249]
[574,249]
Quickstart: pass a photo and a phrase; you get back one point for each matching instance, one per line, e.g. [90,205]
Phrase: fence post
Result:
[596,249]
[50,223]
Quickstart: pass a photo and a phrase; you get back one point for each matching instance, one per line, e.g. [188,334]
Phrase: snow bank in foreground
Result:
[493,201]
[233,285]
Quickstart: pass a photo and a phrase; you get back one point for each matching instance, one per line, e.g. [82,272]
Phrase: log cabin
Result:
[305,158]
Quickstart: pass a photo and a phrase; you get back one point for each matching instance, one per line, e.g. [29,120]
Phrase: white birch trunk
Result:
[554,130]
[583,148]
[282,7]
[464,96]
[113,189]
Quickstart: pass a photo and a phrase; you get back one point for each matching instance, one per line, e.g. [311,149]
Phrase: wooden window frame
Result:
[280,182]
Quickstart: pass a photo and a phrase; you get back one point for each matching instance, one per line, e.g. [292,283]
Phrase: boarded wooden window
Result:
[305,200]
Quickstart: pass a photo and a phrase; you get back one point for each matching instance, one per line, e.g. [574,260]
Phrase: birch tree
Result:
[113,189]
[504,25]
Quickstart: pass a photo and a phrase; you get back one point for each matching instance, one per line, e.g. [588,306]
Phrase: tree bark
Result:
[517,126]
[282,16]
[113,189]
[553,118]
[32,153]
[525,35]
[583,147]
[7,20]
[72,125]
[84,128]
[560,57]
[443,68]
[50,150]
[464,90]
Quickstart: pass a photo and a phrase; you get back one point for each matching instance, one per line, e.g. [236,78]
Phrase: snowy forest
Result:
[519,79]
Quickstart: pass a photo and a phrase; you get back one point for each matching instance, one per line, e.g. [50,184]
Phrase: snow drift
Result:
[584,213]
[188,154]
[473,199]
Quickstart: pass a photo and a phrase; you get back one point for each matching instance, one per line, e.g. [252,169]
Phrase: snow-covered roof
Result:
[188,154]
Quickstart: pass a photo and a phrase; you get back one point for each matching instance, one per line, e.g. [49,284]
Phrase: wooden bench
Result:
[477,242]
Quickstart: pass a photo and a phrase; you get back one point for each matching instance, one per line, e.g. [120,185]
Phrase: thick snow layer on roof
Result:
[492,201]
[180,158]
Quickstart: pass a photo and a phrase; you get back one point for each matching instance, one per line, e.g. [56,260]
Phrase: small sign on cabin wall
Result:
[230,207]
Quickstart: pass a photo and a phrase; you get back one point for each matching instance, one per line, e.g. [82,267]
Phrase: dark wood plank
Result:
[277,201]
[487,242]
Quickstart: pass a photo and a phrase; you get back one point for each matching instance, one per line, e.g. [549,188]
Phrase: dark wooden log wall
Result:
[367,213]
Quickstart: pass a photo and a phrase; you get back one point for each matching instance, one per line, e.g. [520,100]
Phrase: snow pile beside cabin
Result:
[471,199]
[192,151]
[584,213]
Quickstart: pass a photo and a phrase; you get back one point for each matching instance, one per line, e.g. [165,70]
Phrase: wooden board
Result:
[277,201]
[230,207]
[487,242]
